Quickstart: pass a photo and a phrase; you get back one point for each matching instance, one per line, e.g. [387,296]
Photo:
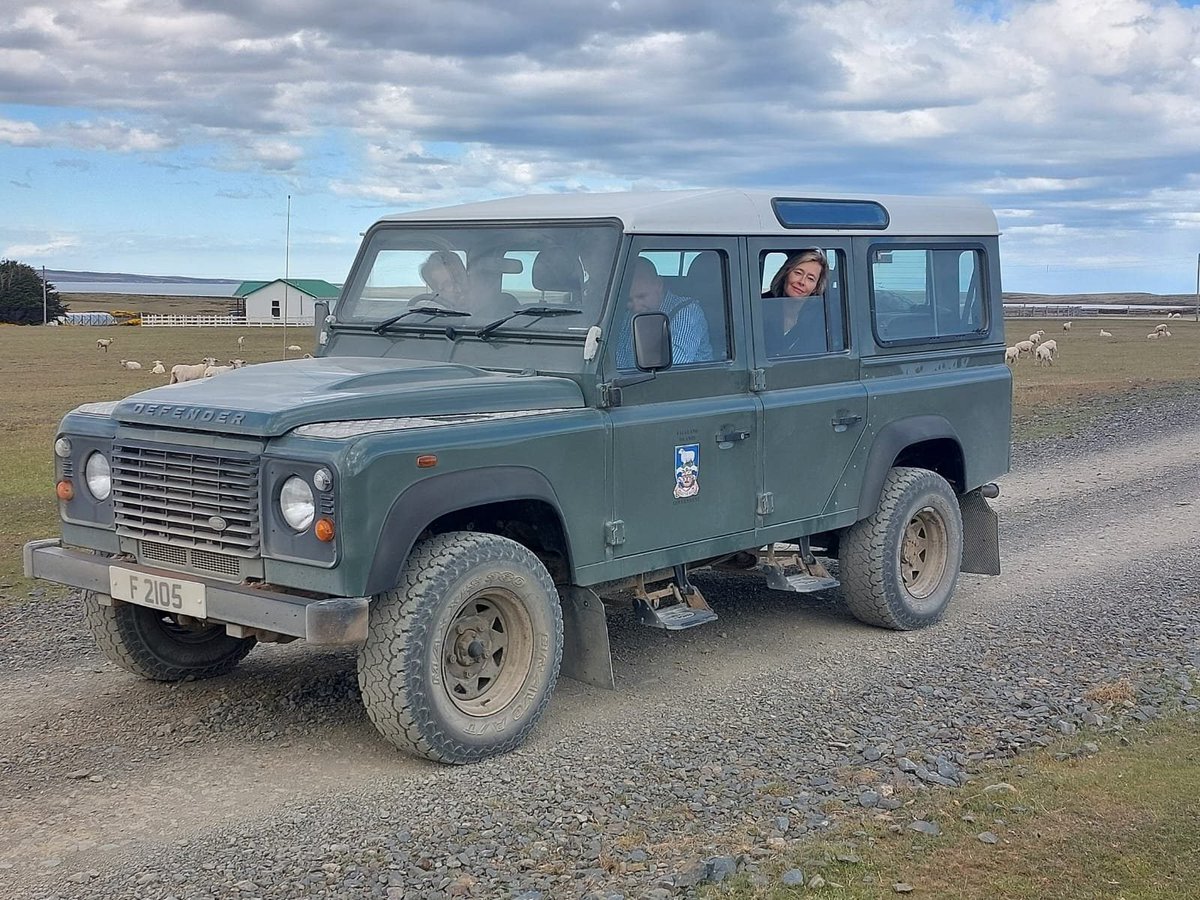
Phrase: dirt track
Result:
[111,786]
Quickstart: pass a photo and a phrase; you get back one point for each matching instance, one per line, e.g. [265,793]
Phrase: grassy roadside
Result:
[1095,816]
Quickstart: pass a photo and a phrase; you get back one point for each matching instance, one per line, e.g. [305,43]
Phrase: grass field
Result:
[48,371]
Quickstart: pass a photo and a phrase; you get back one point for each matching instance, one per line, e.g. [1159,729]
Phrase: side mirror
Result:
[652,341]
[320,312]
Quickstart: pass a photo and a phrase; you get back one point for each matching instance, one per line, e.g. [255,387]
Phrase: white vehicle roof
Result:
[724,211]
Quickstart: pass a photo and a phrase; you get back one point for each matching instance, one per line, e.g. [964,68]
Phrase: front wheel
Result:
[899,566]
[461,658]
[154,645]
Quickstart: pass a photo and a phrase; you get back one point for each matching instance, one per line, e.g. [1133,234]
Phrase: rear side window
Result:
[801,326]
[918,294]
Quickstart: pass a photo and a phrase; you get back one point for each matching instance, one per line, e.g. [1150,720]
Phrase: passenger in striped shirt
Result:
[689,328]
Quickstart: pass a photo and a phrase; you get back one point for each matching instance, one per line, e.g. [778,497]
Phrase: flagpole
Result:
[287,257]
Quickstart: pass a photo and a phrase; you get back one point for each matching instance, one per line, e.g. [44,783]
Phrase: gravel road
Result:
[721,747]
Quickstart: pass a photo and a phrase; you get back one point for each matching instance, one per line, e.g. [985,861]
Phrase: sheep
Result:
[1011,355]
[1066,326]
[184,372]
[241,341]
[307,356]
[1024,347]
[1035,338]
[1166,334]
[210,371]
[1152,336]
[1160,327]
[237,363]
[1104,333]
[1044,356]
[130,364]
[296,348]
[158,369]
[102,343]
[1052,345]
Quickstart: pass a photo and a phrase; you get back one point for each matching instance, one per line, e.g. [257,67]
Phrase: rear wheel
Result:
[461,658]
[156,645]
[900,565]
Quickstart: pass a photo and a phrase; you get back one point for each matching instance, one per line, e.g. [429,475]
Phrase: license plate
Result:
[168,594]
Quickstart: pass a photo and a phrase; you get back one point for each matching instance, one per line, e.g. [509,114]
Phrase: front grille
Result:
[200,561]
[200,500]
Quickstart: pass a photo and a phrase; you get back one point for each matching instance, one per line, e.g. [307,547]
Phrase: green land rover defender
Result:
[524,413]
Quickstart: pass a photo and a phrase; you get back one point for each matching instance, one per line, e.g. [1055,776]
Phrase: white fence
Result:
[155,320]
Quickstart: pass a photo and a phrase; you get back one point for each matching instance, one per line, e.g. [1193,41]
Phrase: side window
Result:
[802,304]
[275,308]
[692,288]
[918,294]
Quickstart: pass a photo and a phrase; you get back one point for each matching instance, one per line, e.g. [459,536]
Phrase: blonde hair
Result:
[811,255]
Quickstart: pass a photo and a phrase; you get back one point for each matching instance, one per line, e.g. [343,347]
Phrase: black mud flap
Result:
[981,535]
[586,654]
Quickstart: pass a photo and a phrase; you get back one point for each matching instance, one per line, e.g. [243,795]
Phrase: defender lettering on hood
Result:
[189,413]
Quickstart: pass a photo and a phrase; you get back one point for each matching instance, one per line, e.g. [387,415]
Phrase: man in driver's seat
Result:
[689,328]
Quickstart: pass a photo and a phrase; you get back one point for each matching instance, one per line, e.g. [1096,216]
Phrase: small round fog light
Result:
[62,448]
[322,479]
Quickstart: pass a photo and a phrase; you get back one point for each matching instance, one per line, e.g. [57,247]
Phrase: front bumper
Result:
[337,621]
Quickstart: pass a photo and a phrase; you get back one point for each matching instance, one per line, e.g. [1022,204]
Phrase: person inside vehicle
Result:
[793,307]
[689,328]
[446,277]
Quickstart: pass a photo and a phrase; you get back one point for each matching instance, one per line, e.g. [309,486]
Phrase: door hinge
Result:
[614,533]
[758,379]
[766,504]
[610,395]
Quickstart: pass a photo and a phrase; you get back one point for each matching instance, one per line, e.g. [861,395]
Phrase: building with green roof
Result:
[287,300]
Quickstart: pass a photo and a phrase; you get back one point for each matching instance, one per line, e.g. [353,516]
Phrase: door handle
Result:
[841,423]
[726,438]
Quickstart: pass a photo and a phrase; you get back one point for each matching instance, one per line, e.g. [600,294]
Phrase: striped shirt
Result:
[689,333]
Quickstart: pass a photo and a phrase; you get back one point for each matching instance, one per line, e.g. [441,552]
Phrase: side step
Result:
[672,618]
[676,605]
[813,576]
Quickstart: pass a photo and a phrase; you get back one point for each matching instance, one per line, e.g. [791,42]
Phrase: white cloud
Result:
[21,134]
[49,247]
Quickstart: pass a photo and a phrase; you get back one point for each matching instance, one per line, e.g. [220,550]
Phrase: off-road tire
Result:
[462,593]
[916,505]
[149,643]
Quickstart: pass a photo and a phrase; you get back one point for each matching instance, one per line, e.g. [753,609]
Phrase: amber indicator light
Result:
[428,461]
[64,490]
[324,530]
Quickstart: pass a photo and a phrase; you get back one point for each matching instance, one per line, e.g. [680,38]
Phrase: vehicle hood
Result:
[270,399]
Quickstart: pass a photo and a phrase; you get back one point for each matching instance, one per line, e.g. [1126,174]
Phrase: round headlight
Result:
[98,475]
[62,448]
[296,503]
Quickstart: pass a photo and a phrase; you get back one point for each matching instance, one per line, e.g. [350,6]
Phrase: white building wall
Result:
[266,305]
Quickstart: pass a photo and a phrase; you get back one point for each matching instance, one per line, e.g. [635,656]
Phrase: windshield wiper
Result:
[436,312]
[538,312]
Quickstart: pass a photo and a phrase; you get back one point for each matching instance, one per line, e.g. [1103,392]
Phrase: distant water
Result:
[167,289]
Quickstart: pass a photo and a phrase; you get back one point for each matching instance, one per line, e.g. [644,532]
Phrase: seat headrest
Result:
[557,270]
[705,267]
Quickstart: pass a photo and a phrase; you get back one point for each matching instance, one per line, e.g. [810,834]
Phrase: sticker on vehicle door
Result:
[687,470]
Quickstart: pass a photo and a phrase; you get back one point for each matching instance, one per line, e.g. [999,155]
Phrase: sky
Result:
[165,137]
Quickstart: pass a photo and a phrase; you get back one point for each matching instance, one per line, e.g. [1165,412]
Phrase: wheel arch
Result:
[924,442]
[512,501]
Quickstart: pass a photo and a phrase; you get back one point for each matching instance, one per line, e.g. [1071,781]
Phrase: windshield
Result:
[547,279]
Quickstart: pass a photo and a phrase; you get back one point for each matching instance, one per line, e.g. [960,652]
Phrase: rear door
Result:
[814,406]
